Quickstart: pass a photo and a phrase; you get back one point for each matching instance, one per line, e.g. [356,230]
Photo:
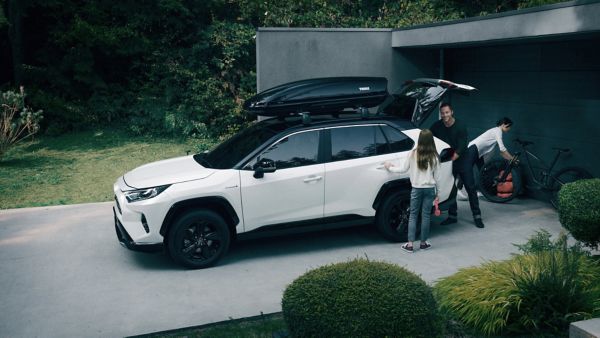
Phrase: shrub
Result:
[579,210]
[541,291]
[360,298]
[17,121]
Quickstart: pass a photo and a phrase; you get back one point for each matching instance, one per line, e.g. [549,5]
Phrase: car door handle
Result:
[312,179]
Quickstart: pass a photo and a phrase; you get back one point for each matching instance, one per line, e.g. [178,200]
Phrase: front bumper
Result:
[128,242]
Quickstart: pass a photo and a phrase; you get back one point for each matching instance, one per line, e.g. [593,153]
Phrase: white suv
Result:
[296,171]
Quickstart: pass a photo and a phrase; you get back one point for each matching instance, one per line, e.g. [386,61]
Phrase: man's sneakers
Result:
[479,223]
[448,221]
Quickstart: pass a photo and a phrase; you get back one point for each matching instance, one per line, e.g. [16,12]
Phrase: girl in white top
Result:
[423,166]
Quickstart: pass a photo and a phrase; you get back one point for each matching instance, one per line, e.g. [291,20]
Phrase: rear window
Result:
[397,140]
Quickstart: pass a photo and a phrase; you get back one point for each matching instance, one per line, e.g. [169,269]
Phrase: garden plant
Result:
[360,298]
[541,291]
[579,210]
[17,122]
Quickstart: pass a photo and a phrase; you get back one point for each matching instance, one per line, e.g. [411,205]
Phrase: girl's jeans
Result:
[421,200]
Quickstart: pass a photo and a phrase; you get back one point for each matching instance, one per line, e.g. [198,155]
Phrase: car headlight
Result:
[144,194]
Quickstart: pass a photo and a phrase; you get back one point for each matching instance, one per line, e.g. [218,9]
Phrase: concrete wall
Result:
[290,54]
[551,90]
[563,19]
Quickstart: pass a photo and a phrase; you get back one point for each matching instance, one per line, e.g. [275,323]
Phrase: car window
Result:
[232,151]
[356,142]
[293,151]
[381,144]
[397,140]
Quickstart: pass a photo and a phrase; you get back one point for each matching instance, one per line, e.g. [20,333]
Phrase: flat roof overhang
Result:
[562,20]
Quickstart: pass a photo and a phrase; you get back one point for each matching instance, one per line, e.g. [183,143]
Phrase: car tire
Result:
[392,217]
[198,239]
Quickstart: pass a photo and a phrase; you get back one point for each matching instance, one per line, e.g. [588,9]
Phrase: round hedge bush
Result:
[360,298]
[579,210]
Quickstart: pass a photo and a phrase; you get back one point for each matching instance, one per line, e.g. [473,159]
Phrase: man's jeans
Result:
[421,200]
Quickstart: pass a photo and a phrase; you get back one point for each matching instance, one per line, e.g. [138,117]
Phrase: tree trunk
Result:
[15,14]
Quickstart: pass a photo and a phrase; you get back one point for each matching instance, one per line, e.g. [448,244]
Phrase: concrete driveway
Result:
[63,273]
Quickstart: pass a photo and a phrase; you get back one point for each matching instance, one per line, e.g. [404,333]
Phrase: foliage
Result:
[360,298]
[541,242]
[579,210]
[174,67]
[3,21]
[17,121]
[540,291]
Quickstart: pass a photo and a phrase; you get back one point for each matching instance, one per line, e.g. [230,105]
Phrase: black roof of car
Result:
[297,122]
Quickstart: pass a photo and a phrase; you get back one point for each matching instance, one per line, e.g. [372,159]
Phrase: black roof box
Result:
[323,95]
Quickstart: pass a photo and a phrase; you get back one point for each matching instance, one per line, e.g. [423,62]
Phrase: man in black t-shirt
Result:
[454,132]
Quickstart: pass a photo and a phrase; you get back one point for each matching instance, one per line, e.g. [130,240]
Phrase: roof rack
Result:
[319,96]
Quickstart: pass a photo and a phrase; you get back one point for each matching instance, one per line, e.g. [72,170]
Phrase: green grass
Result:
[257,327]
[79,167]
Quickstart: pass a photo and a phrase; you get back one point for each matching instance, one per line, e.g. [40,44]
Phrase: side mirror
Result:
[263,166]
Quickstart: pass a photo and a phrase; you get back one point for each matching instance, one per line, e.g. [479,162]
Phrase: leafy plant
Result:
[17,121]
[540,291]
[360,298]
[579,210]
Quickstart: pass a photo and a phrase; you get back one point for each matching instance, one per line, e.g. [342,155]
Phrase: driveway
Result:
[63,273]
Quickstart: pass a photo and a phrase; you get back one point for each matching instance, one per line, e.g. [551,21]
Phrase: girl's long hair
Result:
[427,156]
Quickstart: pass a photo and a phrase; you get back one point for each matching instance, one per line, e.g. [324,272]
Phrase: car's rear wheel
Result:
[392,217]
[198,239]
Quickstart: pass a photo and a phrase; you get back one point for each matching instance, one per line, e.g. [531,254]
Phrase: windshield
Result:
[235,149]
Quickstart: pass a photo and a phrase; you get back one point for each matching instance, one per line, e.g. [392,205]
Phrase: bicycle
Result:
[500,180]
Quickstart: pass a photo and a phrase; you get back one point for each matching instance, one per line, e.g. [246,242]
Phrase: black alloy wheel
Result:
[392,217]
[198,239]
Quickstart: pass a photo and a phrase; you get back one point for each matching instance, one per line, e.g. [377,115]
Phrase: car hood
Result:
[175,170]
[418,98]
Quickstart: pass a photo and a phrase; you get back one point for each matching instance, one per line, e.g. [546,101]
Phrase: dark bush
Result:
[360,298]
[579,210]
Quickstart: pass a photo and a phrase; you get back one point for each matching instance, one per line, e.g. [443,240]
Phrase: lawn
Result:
[263,326]
[79,167]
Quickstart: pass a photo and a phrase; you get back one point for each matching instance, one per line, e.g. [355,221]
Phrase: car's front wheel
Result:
[392,217]
[198,239]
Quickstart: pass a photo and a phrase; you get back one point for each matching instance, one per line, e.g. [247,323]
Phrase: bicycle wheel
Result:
[494,190]
[564,176]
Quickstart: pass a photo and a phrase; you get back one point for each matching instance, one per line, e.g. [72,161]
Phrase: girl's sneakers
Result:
[409,248]
[424,245]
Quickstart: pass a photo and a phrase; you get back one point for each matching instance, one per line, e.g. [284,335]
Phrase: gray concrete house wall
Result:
[551,90]
[291,54]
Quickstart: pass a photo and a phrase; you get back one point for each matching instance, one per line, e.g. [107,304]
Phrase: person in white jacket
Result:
[423,166]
